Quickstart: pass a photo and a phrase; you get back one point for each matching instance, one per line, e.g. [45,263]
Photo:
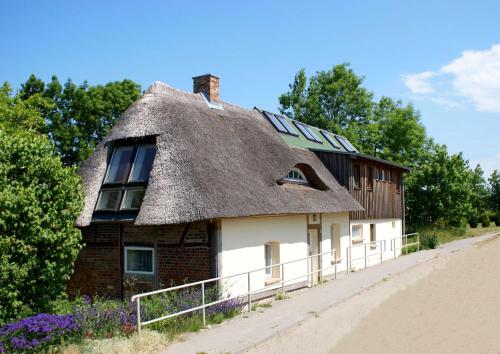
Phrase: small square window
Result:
[109,199]
[133,198]
[139,260]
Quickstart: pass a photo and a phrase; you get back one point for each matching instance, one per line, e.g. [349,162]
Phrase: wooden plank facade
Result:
[375,185]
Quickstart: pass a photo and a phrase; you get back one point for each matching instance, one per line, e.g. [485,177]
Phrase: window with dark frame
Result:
[357,176]
[373,236]
[369,181]
[126,177]
[398,184]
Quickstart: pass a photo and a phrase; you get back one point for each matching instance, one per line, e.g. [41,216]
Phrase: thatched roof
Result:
[212,163]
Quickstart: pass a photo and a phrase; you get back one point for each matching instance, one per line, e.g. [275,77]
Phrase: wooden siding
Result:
[382,201]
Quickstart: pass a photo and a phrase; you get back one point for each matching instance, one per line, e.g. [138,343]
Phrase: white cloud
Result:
[419,83]
[474,76]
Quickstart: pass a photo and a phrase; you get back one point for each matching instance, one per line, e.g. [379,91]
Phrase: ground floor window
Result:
[139,260]
[357,233]
[373,236]
[335,243]
[272,256]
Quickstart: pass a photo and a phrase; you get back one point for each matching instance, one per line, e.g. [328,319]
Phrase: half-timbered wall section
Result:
[379,189]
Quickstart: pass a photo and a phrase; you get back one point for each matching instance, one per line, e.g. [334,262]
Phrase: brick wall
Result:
[98,269]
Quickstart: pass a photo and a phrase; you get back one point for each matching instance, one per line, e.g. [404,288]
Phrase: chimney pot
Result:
[207,84]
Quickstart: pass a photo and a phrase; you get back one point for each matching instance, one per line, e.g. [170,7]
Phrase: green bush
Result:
[428,241]
[39,202]
[485,220]
[495,217]
[473,221]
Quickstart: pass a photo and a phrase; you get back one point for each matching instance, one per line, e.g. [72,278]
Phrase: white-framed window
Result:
[357,233]
[139,260]
[296,175]
[268,254]
[272,256]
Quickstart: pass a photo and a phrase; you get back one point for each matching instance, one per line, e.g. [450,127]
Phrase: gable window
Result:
[296,175]
[139,260]
[357,176]
[126,178]
[398,184]
[369,181]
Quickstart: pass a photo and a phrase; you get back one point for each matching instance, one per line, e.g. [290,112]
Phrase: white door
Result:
[314,250]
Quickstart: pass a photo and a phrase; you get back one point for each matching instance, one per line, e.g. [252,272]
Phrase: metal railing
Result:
[280,282]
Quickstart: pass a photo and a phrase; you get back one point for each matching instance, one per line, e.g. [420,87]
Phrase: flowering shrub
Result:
[36,333]
[103,318]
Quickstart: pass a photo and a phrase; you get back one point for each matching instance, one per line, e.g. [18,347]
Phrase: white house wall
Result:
[243,239]
[243,242]
[385,230]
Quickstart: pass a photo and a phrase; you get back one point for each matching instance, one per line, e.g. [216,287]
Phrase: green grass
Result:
[452,234]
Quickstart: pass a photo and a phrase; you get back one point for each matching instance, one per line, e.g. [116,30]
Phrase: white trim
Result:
[136,248]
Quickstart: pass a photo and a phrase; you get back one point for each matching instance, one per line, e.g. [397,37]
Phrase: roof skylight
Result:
[330,139]
[346,143]
[275,122]
[286,124]
[308,132]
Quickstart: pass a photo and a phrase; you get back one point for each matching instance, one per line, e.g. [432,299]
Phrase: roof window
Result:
[126,177]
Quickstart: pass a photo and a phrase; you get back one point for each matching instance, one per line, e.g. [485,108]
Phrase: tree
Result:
[39,202]
[79,116]
[396,133]
[337,101]
[480,194]
[333,99]
[439,189]
[494,181]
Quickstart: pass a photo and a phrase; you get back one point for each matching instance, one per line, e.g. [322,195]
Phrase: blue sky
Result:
[409,51]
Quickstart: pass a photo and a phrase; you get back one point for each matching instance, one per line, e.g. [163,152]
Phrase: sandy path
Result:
[448,305]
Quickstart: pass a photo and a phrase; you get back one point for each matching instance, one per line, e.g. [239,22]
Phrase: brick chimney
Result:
[207,84]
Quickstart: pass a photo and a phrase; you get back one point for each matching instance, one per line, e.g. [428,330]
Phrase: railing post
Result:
[138,315]
[335,260]
[395,247]
[283,279]
[203,303]
[308,271]
[249,294]
[347,260]
[381,252]
[365,256]
[418,242]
